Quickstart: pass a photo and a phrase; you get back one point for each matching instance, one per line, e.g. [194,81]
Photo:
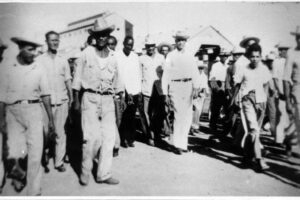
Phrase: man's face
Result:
[28,53]
[111,44]
[101,40]
[150,50]
[236,57]
[255,58]
[53,42]
[128,45]
[282,53]
[165,50]
[180,43]
[223,58]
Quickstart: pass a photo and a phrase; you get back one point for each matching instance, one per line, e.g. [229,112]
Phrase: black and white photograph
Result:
[149,99]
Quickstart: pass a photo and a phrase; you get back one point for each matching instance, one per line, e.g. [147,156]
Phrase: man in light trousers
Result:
[180,83]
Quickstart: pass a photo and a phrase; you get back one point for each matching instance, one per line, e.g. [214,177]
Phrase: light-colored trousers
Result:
[282,121]
[25,136]
[181,94]
[99,133]
[198,103]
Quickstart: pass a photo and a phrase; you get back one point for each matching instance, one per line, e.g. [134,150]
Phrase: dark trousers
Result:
[128,124]
[218,100]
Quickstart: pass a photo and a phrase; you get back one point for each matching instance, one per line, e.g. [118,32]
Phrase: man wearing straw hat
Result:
[164,49]
[24,85]
[180,83]
[292,75]
[149,63]
[97,74]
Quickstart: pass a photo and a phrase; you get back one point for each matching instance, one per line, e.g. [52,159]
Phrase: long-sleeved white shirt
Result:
[130,72]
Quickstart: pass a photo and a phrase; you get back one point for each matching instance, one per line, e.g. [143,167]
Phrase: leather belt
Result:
[98,92]
[182,80]
[26,102]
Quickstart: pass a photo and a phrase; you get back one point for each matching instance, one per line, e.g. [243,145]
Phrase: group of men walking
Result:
[108,87]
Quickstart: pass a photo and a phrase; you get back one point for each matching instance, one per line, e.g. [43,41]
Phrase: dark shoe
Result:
[115,152]
[109,181]
[46,169]
[131,144]
[84,179]
[18,184]
[124,144]
[261,165]
[61,168]
[177,151]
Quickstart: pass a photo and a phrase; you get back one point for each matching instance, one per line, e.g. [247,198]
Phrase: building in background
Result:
[74,37]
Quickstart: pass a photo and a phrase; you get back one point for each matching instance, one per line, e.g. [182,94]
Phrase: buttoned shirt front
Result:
[96,73]
[253,79]
[58,72]
[149,65]
[180,65]
[22,82]
[130,71]
[218,72]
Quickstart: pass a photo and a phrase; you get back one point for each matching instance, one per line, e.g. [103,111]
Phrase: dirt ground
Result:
[211,168]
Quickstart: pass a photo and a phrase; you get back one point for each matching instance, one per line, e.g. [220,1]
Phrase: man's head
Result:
[128,44]
[254,55]
[236,53]
[223,56]
[27,49]
[52,40]
[164,48]
[180,40]
[112,42]
[150,49]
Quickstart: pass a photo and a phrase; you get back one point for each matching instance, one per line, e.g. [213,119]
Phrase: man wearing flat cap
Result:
[291,79]
[59,77]
[97,74]
[180,83]
[149,64]
[24,86]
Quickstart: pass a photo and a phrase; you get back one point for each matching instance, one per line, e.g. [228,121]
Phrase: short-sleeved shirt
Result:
[22,82]
[180,65]
[96,73]
[241,63]
[253,79]
[148,67]
[58,71]
[218,72]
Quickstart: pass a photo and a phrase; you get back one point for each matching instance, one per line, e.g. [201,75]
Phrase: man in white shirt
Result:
[129,66]
[198,102]
[217,78]
[149,64]
[292,91]
[180,84]
[59,76]
[252,81]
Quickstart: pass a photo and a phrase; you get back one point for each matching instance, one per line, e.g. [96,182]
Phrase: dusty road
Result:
[210,170]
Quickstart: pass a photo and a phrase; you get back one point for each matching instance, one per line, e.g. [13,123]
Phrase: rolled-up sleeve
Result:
[67,71]
[44,83]
[76,85]
[287,75]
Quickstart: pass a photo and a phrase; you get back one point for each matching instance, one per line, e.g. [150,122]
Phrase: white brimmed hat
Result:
[101,25]
[23,41]
[246,39]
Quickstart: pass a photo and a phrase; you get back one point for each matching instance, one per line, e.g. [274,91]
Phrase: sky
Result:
[271,22]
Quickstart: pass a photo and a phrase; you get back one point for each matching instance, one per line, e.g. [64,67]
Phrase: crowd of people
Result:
[161,92]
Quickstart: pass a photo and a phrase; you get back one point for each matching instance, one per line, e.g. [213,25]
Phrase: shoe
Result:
[109,181]
[177,151]
[84,179]
[124,144]
[151,142]
[115,152]
[61,168]
[131,144]
[261,165]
